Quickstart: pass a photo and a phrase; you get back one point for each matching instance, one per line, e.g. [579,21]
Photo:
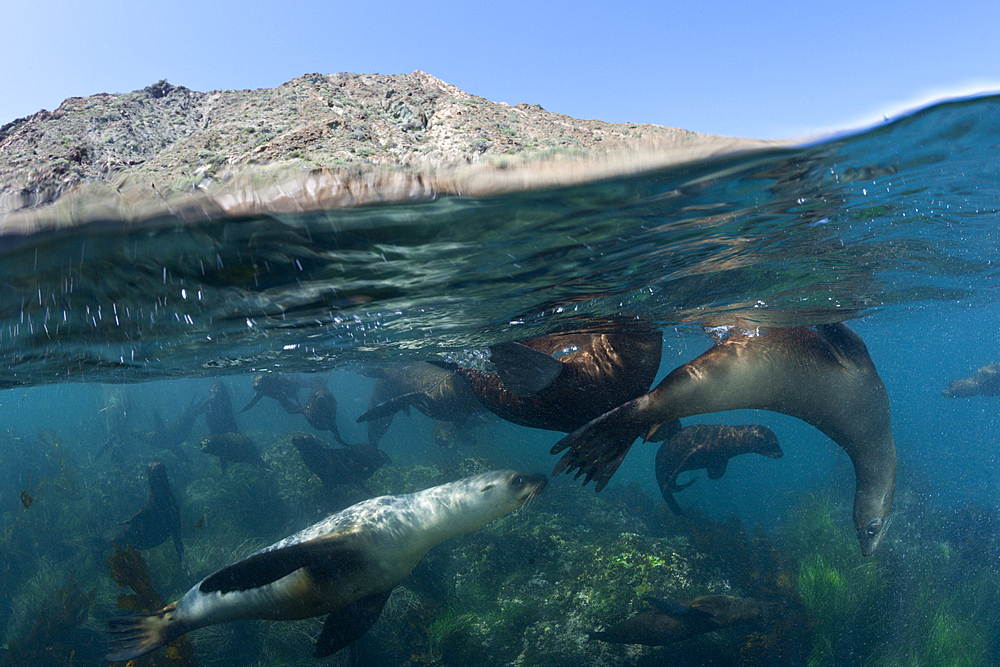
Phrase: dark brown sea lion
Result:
[439,393]
[984,382]
[351,465]
[823,376]
[710,447]
[320,410]
[561,382]
[219,415]
[279,386]
[670,621]
[234,447]
[159,518]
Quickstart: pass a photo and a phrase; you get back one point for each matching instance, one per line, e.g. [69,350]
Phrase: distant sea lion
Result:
[345,566]
[219,414]
[320,410]
[439,393]
[670,621]
[350,465]
[234,447]
[985,382]
[159,518]
[561,382]
[281,387]
[823,376]
[710,447]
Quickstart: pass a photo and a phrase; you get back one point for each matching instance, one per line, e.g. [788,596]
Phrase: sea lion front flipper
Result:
[717,468]
[598,448]
[324,557]
[524,371]
[253,401]
[391,407]
[346,625]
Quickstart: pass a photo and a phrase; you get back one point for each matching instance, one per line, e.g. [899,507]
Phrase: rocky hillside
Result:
[169,139]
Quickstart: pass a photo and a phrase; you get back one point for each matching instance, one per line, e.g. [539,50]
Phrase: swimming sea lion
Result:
[235,447]
[710,447]
[439,393]
[670,621]
[561,382]
[985,382]
[349,465]
[279,386]
[219,414]
[159,519]
[823,376]
[320,410]
[345,566]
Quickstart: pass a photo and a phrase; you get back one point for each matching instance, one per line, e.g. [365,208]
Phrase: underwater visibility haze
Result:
[116,338]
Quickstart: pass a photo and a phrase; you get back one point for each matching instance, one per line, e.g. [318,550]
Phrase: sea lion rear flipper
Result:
[391,407]
[524,371]
[346,625]
[327,558]
[672,502]
[598,448]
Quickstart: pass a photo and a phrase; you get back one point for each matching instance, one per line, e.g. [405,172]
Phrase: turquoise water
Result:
[894,229]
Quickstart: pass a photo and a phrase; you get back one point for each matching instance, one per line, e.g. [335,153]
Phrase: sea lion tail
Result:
[134,636]
[597,449]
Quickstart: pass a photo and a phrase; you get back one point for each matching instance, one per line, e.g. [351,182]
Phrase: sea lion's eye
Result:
[872,529]
[517,481]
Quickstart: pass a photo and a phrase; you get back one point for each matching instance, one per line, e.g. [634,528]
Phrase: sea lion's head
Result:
[961,388]
[495,494]
[872,512]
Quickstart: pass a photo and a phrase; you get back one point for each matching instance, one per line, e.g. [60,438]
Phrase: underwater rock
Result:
[670,621]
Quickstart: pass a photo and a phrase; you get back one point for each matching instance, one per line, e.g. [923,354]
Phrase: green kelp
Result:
[128,569]
[56,636]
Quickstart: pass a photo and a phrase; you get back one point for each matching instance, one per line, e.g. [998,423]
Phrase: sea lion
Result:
[281,387]
[345,566]
[349,465]
[670,621]
[235,447]
[561,382]
[320,410]
[219,416]
[985,382]
[823,376]
[439,393]
[159,518]
[710,447]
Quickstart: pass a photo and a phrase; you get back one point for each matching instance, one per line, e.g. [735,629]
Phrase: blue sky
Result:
[763,69]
